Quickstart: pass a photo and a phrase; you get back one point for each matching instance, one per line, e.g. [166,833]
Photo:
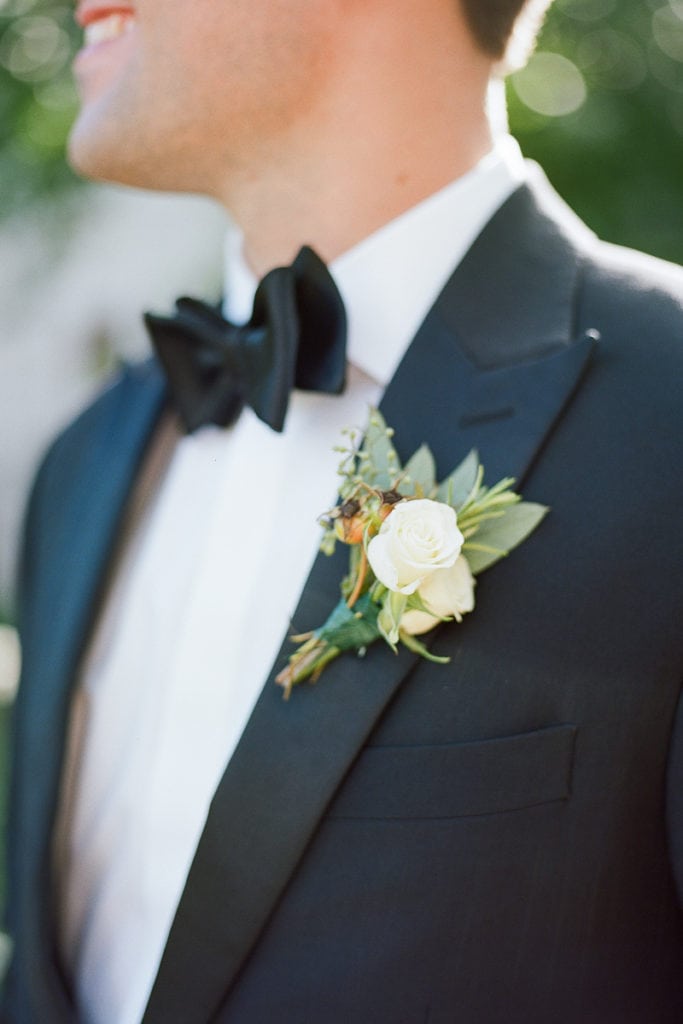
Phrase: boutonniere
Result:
[415,546]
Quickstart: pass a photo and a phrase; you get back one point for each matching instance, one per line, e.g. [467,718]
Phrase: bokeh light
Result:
[550,84]
[667,30]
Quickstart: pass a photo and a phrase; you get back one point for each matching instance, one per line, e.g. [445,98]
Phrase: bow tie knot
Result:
[295,338]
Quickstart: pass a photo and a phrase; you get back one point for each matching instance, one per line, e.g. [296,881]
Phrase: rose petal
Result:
[448,592]
[416,539]
[380,558]
[414,622]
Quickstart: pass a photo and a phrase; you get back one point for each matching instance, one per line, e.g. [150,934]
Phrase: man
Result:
[495,840]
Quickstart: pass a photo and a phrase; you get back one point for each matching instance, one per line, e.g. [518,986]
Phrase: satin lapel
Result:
[496,359]
[452,393]
[77,541]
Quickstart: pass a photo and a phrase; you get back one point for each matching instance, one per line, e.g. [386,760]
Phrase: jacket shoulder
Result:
[614,280]
[635,302]
[636,283]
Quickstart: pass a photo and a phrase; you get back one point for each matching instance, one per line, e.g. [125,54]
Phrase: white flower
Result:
[448,592]
[417,538]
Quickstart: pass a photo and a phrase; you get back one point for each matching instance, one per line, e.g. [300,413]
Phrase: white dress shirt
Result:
[204,596]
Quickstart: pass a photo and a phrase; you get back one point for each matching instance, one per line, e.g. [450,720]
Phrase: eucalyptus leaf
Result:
[383,465]
[496,537]
[457,486]
[482,558]
[419,474]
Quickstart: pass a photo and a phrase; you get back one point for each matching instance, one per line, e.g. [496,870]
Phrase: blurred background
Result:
[600,106]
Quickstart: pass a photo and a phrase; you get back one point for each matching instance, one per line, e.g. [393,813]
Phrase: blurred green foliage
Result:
[37,100]
[600,106]
[617,158]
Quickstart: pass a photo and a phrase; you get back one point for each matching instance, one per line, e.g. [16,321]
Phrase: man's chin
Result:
[98,155]
[89,151]
[118,150]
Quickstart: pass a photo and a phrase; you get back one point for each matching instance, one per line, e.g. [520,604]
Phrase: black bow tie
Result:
[296,337]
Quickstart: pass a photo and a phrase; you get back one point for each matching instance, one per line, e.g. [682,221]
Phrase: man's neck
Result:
[364,153]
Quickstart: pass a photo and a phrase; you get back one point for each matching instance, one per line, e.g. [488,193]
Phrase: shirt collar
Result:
[390,280]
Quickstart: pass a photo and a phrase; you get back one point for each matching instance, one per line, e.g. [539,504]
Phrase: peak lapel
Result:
[499,388]
[496,360]
[283,773]
[82,512]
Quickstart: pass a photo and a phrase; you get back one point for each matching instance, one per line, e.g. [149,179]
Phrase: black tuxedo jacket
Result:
[498,840]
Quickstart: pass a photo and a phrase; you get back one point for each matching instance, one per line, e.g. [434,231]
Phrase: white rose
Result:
[448,592]
[416,539]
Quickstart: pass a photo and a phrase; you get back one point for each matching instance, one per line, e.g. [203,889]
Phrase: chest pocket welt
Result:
[459,779]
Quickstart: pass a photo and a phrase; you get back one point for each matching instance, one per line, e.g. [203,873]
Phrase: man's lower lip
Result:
[103,33]
[94,51]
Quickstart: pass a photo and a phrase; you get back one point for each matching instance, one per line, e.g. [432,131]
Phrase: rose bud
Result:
[350,523]
[389,499]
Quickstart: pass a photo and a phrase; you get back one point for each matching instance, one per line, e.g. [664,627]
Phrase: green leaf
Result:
[416,603]
[389,618]
[495,538]
[458,485]
[481,558]
[383,465]
[415,645]
[351,628]
[419,474]
[385,626]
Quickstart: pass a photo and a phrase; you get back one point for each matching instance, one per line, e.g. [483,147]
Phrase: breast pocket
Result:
[460,779]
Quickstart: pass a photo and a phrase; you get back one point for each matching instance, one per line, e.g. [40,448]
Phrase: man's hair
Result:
[505,29]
